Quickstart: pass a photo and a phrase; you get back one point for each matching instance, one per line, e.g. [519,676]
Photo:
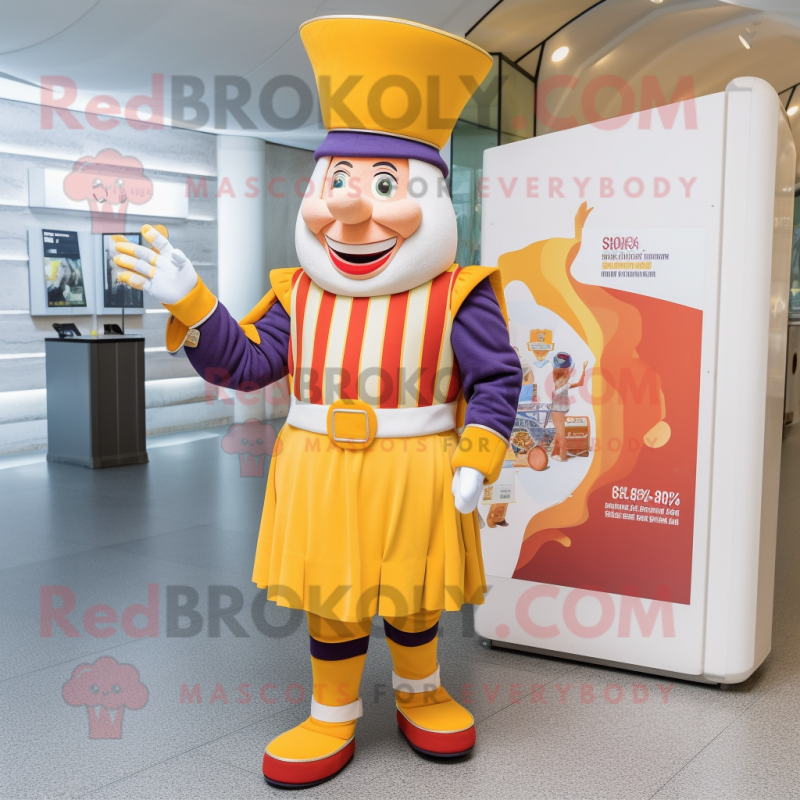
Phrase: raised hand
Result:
[164,272]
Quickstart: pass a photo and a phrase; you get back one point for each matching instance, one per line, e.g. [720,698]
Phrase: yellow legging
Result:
[336,683]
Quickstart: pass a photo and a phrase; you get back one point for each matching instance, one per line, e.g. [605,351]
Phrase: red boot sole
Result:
[304,774]
[441,745]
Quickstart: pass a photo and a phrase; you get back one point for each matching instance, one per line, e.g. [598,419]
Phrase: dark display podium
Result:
[95,400]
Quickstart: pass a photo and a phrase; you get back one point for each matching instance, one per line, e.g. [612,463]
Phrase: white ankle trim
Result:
[428,684]
[348,713]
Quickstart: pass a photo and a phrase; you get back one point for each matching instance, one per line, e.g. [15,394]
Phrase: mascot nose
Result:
[350,210]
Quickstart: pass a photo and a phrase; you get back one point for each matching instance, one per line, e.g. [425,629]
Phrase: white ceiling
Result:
[637,38]
[114,47]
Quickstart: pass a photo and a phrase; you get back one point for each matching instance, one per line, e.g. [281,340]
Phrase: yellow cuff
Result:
[196,307]
[175,334]
[481,449]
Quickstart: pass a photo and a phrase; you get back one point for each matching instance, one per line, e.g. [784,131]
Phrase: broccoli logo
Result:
[252,441]
[106,688]
[109,183]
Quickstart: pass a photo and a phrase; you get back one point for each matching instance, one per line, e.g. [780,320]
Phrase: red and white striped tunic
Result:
[390,351]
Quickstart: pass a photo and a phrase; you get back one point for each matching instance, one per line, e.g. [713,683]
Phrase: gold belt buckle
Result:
[352,424]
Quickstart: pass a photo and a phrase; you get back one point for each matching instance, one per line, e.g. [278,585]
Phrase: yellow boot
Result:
[432,722]
[323,745]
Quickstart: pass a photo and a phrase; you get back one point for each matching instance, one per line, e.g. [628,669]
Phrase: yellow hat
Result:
[392,76]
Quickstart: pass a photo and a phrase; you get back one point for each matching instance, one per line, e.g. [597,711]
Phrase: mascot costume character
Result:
[403,386]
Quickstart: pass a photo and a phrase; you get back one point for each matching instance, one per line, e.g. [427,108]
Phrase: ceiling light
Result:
[657,2]
[746,37]
[792,111]
[560,54]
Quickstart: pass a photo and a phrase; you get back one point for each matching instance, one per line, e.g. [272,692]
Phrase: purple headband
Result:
[360,144]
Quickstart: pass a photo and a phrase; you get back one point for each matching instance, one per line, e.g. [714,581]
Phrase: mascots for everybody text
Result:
[392,352]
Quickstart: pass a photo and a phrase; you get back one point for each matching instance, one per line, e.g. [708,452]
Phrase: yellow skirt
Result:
[347,534]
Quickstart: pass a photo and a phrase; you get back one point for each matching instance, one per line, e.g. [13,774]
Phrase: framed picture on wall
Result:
[63,270]
[112,295]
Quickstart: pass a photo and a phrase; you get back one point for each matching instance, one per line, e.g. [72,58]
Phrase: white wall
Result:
[166,154]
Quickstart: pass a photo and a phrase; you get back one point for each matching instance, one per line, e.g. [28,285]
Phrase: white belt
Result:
[392,422]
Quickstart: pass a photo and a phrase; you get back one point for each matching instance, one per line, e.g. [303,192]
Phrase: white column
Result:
[241,216]
[243,278]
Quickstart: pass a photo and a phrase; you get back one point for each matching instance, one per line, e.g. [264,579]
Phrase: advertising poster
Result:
[597,489]
[115,293]
[63,270]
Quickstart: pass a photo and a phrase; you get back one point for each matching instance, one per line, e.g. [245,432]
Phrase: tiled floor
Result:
[186,524]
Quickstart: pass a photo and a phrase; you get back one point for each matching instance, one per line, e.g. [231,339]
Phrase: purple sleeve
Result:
[226,357]
[491,374]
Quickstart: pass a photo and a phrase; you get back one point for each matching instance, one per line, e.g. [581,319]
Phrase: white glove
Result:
[467,488]
[164,272]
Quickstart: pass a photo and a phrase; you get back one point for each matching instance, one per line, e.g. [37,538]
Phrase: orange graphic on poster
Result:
[645,402]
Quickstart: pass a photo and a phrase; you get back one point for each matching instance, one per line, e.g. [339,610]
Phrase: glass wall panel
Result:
[516,103]
[794,284]
[469,142]
[475,131]
[500,111]
[482,107]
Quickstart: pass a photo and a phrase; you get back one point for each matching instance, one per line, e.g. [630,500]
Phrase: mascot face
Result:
[374,226]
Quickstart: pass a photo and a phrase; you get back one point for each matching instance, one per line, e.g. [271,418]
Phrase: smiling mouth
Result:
[360,259]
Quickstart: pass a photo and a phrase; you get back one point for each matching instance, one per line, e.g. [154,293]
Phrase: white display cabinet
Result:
[655,247]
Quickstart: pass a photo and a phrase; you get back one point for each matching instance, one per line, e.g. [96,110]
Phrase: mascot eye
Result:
[339,180]
[259,441]
[94,688]
[384,185]
[116,688]
[244,441]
